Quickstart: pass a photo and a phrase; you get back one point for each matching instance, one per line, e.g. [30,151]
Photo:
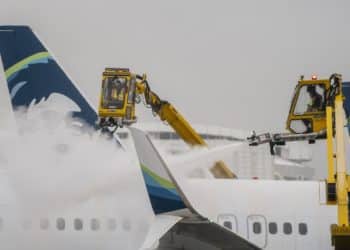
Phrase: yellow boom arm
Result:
[121,90]
[168,113]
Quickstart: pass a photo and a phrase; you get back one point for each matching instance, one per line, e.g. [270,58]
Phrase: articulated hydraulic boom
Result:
[121,90]
[168,113]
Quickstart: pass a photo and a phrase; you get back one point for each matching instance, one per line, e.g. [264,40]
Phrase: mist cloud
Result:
[54,174]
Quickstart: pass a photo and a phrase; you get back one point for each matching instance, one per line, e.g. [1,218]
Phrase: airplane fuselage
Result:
[271,214]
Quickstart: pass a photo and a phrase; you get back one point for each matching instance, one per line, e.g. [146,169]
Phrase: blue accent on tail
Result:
[164,204]
[162,200]
[32,73]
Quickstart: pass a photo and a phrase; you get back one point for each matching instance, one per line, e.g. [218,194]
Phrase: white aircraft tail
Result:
[7,121]
[195,225]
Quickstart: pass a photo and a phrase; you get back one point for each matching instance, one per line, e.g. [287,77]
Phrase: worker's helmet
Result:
[115,80]
[311,89]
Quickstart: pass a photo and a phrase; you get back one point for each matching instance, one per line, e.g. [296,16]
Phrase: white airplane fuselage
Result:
[271,214]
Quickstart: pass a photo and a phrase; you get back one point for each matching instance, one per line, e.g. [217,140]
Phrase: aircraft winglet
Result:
[195,226]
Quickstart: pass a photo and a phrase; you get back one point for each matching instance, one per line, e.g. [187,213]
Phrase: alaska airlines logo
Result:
[37,77]
[41,57]
[16,88]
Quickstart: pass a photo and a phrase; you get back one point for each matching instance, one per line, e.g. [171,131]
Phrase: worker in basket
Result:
[115,92]
[316,102]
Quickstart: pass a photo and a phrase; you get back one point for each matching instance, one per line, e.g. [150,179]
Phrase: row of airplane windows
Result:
[174,136]
[273,228]
[78,224]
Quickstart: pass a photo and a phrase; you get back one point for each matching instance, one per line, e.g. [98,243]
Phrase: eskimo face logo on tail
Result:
[37,77]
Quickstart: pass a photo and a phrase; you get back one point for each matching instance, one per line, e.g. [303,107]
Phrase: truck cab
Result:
[308,108]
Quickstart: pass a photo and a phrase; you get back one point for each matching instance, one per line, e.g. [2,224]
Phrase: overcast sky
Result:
[229,63]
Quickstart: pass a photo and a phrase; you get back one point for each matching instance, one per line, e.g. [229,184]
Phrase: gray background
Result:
[229,63]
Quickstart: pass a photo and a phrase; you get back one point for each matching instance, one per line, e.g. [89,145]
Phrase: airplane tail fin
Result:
[161,189]
[7,124]
[33,74]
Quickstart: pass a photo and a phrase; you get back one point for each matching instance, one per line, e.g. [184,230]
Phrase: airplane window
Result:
[112,224]
[60,224]
[154,134]
[164,135]
[26,224]
[228,224]
[211,137]
[95,224]
[273,228]
[302,228]
[78,224]
[287,228]
[257,227]
[122,135]
[126,225]
[204,136]
[44,224]
[175,136]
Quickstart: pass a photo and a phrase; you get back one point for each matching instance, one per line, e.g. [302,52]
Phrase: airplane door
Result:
[228,221]
[257,230]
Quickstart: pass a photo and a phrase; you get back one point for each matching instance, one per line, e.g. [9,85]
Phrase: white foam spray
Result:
[54,175]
